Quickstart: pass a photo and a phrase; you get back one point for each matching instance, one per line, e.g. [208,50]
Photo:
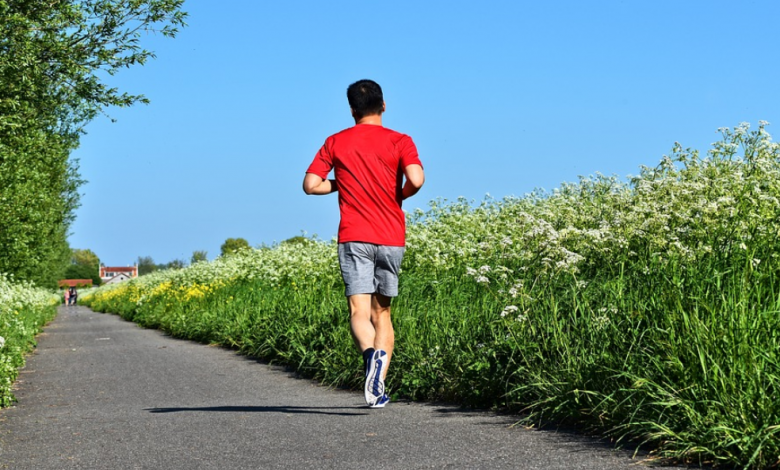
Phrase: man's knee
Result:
[360,306]
[380,308]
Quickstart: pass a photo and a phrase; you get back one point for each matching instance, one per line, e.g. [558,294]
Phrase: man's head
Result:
[365,98]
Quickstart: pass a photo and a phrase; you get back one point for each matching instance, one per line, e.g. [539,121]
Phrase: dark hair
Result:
[365,98]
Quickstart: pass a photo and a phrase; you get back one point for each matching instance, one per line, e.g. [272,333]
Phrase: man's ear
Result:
[384,106]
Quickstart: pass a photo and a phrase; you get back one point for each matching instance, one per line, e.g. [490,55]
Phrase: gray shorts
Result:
[368,268]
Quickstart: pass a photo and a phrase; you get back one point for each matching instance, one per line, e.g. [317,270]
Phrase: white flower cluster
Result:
[16,296]
[687,208]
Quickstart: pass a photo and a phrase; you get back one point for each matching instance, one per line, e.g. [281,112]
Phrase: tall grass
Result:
[645,310]
[24,309]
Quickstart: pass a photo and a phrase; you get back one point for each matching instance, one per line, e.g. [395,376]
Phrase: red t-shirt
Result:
[368,162]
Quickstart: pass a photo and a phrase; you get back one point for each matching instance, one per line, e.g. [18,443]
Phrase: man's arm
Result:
[314,184]
[415,177]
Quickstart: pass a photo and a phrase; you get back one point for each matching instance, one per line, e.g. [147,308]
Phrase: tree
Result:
[80,271]
[52,57]
[233,245]
[174,264]
[199,255]
[86,258]
[84,264]
[296,240]
[146,265]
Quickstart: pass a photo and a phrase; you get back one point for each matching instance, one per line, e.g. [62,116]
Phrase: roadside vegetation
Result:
[54,58]
[644,310]
[24,309]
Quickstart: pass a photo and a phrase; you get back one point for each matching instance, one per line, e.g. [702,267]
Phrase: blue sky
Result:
[501,97]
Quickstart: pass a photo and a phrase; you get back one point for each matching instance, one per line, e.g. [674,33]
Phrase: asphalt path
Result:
[101,393]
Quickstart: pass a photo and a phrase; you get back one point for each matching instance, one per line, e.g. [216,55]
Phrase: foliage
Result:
[85,264]
[146,265]
[86,258]
[644,310]
[198,256]
[80,271]
[24,310]
[174,264]
[233,245]
[52,55]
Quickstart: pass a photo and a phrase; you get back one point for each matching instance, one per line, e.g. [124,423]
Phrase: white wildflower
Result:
[482,280]
[484,269]
[601,322]
[508,309]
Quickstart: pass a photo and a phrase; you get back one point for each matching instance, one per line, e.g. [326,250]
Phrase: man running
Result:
[369,163]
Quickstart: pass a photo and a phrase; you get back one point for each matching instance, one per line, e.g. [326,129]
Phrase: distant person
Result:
[66,295]
[73,295]
[369,163]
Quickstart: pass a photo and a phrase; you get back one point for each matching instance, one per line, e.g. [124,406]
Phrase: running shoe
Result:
[375,386]
[383,400]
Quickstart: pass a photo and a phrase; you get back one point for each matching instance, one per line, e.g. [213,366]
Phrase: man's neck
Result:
[373,119]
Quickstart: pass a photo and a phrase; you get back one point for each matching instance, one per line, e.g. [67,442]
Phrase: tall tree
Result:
[86,257]
[80,271]
[52,57]
[85,264]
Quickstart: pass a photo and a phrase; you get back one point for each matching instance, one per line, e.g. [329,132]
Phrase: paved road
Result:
[102,393]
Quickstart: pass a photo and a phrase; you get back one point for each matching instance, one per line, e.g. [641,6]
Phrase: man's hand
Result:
[314,184]
[415,177]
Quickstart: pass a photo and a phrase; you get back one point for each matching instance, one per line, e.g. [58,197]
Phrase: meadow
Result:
[24,310]
[643,309]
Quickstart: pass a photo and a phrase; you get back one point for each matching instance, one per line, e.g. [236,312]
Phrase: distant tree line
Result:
[146,264]
[52,57]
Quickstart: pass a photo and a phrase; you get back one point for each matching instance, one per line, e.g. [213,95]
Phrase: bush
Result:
[24,310]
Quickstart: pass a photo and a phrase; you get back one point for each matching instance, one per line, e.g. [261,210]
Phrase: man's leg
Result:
[363,331]
[371,324]
[384,336]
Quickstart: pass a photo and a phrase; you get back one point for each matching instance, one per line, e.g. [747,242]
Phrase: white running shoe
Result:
[375,386]
[383,400]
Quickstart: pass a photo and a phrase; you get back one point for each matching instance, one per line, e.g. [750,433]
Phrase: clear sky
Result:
[501,97]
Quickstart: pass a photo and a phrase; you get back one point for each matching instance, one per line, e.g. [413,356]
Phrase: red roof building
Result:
[108,273]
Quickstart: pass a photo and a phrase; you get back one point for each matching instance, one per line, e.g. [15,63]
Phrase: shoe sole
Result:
[374,380]
[381,402]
